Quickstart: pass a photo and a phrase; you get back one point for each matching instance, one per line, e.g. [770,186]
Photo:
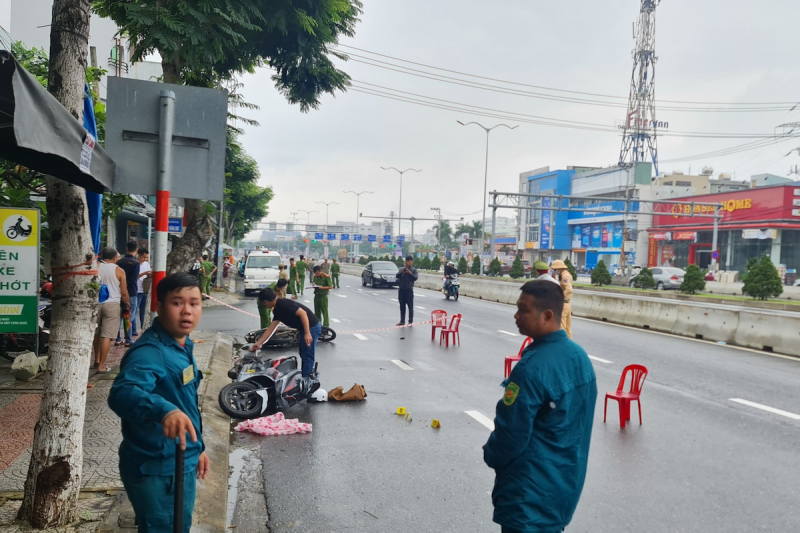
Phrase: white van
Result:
[261,270]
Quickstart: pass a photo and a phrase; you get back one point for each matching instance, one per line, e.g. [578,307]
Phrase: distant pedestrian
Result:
[207,270]
[405,290]
[302,266]
[326,266]
[539,448]
[335,274]
[155,396]
[294,279]
[565,280]
[130,265]
[282,273]
[543,272]
[322,285]
[143,287]
[114,290]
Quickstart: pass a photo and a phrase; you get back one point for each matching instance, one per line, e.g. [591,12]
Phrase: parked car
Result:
[525,264]
[667,277]
[380,273]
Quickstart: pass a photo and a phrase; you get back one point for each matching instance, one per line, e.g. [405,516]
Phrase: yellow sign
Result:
[401,410]
[20,227]
[435,424]
[729,205]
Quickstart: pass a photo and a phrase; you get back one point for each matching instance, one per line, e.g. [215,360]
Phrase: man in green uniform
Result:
[335,274]
[301,266]
[293,280]
[207,270]
[279,287]
[322,284]
[539,448]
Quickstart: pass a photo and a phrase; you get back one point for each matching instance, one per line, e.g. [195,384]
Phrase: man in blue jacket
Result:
[155,395]
[540,446]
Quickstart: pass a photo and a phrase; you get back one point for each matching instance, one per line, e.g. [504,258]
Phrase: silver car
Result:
[666,278]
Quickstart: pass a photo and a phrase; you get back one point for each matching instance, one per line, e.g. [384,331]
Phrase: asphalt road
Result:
[700,461]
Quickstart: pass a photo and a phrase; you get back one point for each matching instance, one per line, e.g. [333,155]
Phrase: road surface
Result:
[717,450]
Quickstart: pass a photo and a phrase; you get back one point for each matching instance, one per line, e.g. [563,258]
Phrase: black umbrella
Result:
[36,131]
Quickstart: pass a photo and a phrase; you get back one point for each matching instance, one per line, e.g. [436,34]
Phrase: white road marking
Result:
[348,286]
[600,360]
[401,364]
[508,333]
[375,293]
[419,307]
[420,295]
[480,417]
[359,336]
[340,295]
[394,299]
[336,320]
[767,408]
[307,301]
[359,290]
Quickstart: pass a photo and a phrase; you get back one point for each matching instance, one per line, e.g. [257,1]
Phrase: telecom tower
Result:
[640,129]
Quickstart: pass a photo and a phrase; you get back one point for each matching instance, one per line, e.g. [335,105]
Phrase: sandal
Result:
[117,343]
[127,345]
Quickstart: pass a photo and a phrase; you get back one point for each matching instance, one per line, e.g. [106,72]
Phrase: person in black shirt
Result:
[405,292]
[130,264]
[296,316]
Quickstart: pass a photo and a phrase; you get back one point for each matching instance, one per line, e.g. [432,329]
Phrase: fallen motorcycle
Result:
[264,385]
[284,337]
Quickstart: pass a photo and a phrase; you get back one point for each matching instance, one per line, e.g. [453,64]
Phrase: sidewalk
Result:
[101,487]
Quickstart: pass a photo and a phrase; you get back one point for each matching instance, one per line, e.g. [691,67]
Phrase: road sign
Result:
[357,237]
[175,225]
[372,238]
[19,270]
[331,236]
[401,238]
[387,238]
[345,236]
[318,236]
[715,254]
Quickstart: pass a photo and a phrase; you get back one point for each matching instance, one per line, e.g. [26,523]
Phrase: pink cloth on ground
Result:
[274,425]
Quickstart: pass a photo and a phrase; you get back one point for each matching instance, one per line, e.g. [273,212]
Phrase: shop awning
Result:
[36,131]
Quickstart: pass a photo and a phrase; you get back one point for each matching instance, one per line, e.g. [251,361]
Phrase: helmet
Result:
[558,264]
[540,265]
[450,263]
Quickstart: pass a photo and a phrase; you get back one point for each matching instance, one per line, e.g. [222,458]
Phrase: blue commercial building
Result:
[544,234]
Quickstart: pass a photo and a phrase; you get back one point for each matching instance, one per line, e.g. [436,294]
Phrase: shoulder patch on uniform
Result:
[512,390]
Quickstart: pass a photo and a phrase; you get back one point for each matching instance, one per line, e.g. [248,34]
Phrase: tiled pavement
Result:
[101,435]
[90,511]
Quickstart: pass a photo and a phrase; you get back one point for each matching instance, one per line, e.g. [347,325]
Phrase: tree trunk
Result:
[199,229]
[54,477]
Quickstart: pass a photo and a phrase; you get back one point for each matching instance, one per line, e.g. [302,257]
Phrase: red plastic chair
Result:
[439,319]
[455,320]
[638,375]
[514,358]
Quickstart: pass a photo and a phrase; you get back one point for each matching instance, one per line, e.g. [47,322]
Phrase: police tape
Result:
[339,332]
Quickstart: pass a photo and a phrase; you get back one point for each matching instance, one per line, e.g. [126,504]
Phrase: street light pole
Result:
[356,248]
[485,182]
[327,204]
[400,211]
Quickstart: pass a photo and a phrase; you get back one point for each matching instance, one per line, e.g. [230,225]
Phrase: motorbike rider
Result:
[450,270]
[296,316]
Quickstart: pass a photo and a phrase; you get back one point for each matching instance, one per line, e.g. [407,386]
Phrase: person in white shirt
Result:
[143,286]
[543,271]
[115,298]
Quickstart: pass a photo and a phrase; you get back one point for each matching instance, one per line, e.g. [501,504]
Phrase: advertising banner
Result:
[652,252]
[616,241]
[667,255]
[544,240]
[586,236]
[19,270]
[597,238]
[607,231]
[576,237]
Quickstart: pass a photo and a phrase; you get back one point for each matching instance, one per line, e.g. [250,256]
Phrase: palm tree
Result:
[443,233]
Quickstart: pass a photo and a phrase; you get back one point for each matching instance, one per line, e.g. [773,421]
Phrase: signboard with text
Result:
[387,238]
[371,238]
[357,237]
[175,225]
[19,270]
[331,236]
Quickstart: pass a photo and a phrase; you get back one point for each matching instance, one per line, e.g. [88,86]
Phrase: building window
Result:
[683,183]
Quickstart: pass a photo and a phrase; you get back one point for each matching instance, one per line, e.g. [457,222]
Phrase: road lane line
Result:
[359,336]
[508,333]
[420,295]
[336,320]
[477,415]
[767,408]
[419,307]
[375,294]
[600,360]
[340,295]
[401,364]
[307,301]
[394,299]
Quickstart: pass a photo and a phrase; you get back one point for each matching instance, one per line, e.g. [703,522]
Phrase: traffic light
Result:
[305,240]
[382,246]
[314,241]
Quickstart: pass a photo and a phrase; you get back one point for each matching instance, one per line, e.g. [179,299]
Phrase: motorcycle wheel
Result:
[239,400]
[447,296]
[327,334]
[455,296]
[12,233]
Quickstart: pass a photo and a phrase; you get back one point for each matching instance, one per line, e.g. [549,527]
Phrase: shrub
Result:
[425,263]
[436,263]
[693,281]
[476,266]
[571,269]
[517,270]
[644,279]
[462,265]
[495,267]
[763,281]
[600,275]
[362,260]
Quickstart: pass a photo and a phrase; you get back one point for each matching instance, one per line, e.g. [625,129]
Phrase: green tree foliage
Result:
[601,275]
[444,234]
[693,280]
[436,263]
[571,268]
[644,279]
[495,267]
[425,263]
[462,265]
[476,266]
[763,281]
[245,201]
[362,260]
[517,269]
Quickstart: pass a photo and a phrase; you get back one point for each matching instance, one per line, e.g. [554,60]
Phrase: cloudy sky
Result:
[719,52]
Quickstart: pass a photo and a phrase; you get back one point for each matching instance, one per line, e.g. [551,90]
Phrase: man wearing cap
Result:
[543,272]
[207,270]
[565,280]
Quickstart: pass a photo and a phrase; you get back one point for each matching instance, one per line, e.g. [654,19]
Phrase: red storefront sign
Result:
[684,235]
[748,205]
[652,251]
[660,236]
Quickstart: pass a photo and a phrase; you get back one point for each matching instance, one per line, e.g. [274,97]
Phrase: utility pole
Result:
[439,233]
[356,247]
[400,212]
[324,240]
[308,223]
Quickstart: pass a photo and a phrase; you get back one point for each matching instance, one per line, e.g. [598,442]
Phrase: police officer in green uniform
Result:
[293,280]
[335,274]
[264,312]
[207,270]
[155,396]
[301,267]
[322,284]
[539,448]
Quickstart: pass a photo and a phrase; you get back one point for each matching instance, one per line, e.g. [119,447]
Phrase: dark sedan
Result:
[379,273]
